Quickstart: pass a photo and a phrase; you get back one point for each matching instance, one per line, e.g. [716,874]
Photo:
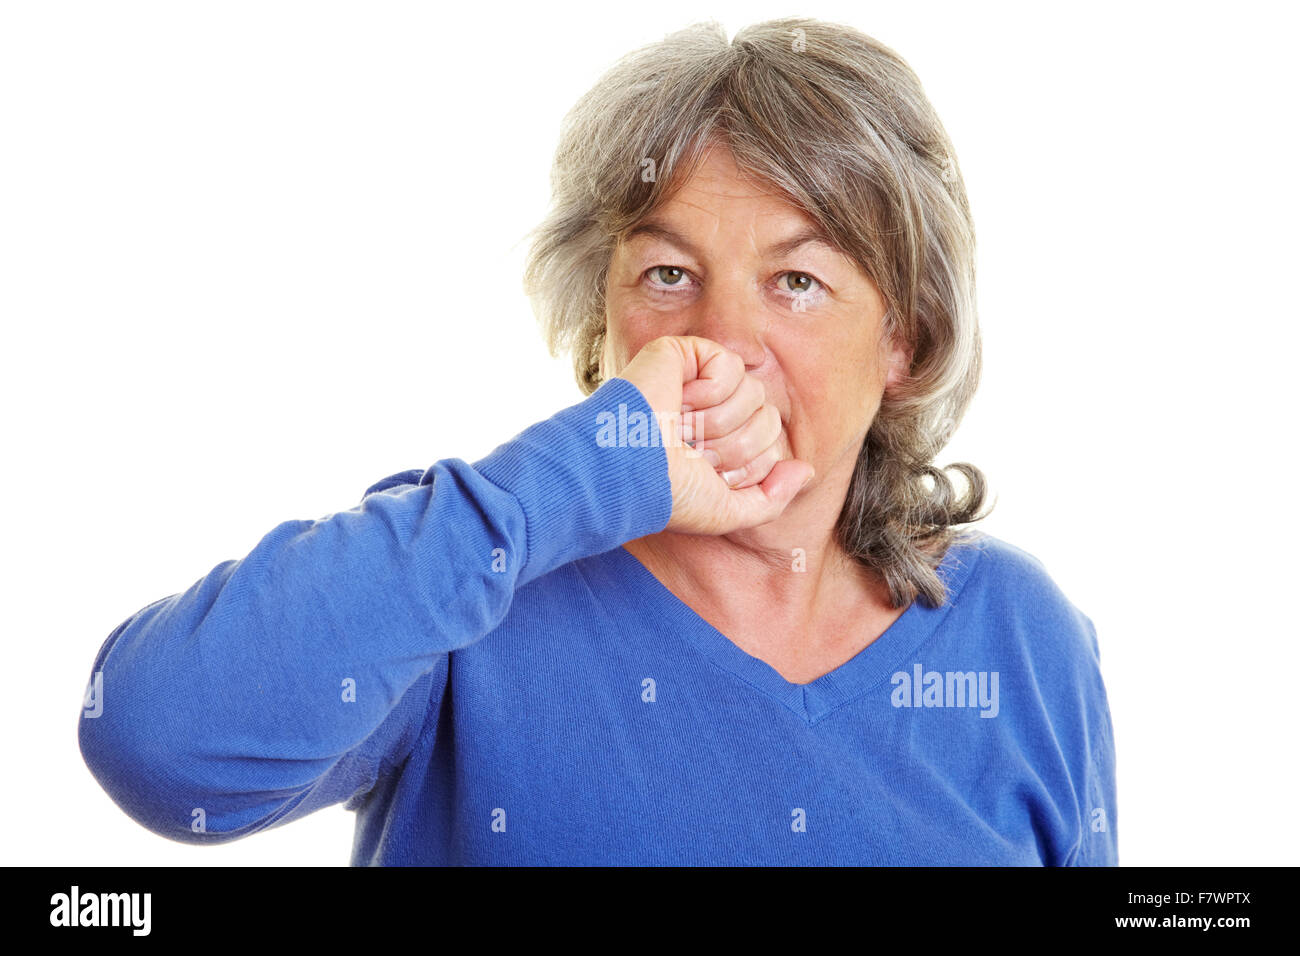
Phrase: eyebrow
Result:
[658,230]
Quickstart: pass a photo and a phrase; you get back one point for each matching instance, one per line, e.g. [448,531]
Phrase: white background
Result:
[256,256]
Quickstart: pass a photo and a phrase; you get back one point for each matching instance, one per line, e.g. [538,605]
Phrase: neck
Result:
[790,574]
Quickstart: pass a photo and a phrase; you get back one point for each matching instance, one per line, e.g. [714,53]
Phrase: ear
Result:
[898,363]
[605,363]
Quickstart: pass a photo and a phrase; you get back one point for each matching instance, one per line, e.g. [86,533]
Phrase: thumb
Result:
[765,501]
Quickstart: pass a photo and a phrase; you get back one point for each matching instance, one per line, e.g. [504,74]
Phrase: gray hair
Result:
[839,124]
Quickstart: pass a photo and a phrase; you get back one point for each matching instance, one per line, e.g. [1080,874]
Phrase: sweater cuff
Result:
[589,478]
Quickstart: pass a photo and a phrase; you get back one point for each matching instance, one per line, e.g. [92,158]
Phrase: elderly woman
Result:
[720,610]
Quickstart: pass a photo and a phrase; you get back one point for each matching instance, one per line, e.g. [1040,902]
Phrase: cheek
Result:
[622,343]
[620,333]
[628,329]
[835,393]
[859,372]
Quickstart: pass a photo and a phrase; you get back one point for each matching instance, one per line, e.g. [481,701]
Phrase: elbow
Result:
[135,778]
[170,791]
[146,779]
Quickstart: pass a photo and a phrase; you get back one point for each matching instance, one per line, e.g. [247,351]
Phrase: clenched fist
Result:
[740,472]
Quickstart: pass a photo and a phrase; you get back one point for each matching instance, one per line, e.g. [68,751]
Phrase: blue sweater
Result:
[470,661]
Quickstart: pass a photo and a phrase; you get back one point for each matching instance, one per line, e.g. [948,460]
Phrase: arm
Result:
[1099,840]
[281,682]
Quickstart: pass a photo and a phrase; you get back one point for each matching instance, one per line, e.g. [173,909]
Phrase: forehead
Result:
[720,200]
[718,185]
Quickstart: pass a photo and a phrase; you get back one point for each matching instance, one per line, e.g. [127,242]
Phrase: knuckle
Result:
[704,424]
[736,476]
[771,417]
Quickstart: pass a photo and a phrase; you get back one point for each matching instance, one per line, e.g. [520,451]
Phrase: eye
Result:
[667,276]
[800,283]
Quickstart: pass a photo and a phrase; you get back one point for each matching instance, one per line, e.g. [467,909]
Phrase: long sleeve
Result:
[285,681]
[1099,840]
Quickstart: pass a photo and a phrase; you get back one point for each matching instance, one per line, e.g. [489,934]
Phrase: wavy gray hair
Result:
[839,124]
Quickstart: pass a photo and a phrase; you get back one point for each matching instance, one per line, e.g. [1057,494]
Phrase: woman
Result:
[721,610]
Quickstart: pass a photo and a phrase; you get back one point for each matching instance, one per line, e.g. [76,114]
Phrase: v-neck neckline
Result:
[650,600]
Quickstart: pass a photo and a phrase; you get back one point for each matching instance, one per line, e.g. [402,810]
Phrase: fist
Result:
[729,460]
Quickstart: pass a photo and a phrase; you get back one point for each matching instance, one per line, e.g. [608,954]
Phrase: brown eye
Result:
[799,282]
[668,275]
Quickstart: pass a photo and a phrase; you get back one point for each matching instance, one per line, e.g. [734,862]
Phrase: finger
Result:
[763,502]
[711,373]
[731,414]
[748,441]
[756,469]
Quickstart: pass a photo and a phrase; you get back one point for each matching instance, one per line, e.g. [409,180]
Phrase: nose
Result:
[731,315]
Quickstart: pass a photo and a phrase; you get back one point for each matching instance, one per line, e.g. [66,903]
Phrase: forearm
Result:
[243,692]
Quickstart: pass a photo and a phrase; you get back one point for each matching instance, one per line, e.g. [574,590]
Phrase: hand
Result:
[727,416]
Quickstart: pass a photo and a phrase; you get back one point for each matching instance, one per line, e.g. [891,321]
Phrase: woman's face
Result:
[727,260]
